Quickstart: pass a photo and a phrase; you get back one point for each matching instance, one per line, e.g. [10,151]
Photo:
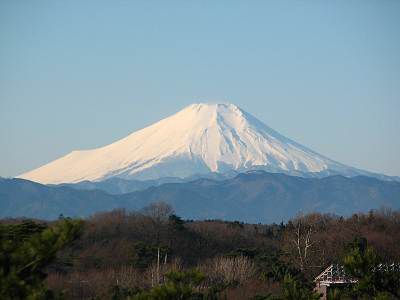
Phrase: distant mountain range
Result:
[198,140]
[208,161]
[116,185]
[255,196]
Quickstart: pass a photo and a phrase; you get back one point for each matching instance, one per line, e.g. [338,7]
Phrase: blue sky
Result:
[81,74]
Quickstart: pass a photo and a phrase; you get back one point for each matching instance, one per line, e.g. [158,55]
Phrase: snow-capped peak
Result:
[201,138]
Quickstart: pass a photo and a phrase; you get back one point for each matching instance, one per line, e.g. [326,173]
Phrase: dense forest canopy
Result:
[155,254]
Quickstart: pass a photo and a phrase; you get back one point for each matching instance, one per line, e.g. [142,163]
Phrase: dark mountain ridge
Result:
[255,196]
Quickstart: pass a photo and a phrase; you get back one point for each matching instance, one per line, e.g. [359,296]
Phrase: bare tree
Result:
[158,211]
[302,242]
[299,242]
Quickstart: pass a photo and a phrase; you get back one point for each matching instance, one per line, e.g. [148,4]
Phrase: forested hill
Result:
[251,197]
[154,254]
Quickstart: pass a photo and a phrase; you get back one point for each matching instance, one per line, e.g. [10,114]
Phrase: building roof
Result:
[334,274]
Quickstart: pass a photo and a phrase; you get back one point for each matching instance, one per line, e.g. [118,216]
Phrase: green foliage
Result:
[275,269]
[119,248]
[176,222]
[191,278]
[335,294]
[122,293]
[292,289]
[25,250]
[144,254]
[295,290]
[293,283]
[374,279]
[179,285]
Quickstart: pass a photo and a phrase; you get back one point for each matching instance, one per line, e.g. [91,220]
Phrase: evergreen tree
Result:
[375,278]
[179,285]
[25,250]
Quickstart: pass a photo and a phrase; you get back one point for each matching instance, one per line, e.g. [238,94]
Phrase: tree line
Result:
[155,254]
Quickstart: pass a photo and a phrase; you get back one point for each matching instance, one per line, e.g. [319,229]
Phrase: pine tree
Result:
[25,250]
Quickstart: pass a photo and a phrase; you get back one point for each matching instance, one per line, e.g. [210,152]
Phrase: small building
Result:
[333,276]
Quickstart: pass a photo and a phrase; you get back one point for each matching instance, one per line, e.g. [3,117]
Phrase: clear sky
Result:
[81,74]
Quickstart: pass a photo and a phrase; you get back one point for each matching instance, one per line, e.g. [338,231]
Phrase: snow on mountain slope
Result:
[199,139]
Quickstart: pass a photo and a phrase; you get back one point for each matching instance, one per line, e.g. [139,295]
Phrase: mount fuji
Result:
[198,140]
